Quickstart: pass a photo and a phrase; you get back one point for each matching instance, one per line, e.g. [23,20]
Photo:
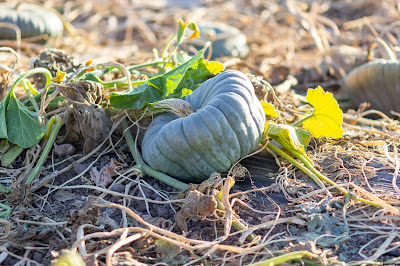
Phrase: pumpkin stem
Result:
[56,126]
[179,107]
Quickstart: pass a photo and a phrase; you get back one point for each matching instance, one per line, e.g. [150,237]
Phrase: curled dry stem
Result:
[6,68]
[166,235]
[385,47]
[17,33]
[276,98]
[180,241]
[122,242]
[387,122]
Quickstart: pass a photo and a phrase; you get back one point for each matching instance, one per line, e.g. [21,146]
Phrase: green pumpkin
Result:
[228,124]
[376,82]
[32,20]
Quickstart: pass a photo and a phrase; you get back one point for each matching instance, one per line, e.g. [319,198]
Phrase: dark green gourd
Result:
[228,124]
[32,20]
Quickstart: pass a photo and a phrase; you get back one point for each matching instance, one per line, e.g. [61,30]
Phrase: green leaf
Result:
[93,76]
[297,138]
[168,82]
[3,125]
[185,92]
[136,98]
[23,127]
[182,57]
[176,83]
[196,75]
[19,125]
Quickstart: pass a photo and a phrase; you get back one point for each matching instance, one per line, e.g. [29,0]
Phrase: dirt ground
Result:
[294,45]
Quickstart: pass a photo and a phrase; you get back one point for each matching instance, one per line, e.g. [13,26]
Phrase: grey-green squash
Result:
[226,40]
[32,20]
[376,82]
[227,125]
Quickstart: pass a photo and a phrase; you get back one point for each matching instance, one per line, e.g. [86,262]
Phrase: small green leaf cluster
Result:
[176,83]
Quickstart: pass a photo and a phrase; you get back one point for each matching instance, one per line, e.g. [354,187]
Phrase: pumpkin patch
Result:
[125,142]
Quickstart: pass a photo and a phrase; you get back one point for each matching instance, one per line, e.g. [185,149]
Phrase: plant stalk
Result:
[284,258]
[56,128]
[38,70]
[297,123]
[7,211]
[141,165]
[317,176]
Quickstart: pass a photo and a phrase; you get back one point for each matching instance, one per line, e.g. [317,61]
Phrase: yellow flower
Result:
[88,63]
[195,29]
[60,76]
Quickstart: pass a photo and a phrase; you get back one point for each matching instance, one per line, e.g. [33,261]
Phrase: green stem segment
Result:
[4,189]
[29,90]
[284,258]
[122,82]
[154,63]
[26,84]
[38,70]
[7,211]
[298,123]
[141,165]
[315,175]
[56,128]
[296,163]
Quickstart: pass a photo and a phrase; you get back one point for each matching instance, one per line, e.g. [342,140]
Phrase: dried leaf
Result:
[65,149]
[104,177]
[196,204]
[106,221]
[157,221]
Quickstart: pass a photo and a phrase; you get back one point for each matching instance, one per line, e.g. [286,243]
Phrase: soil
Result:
[294,45]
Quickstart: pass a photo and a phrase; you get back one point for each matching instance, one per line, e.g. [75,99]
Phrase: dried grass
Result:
[305,39]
